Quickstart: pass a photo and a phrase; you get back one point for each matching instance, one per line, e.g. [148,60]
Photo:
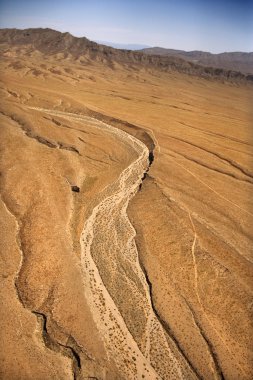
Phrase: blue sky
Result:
[216,26]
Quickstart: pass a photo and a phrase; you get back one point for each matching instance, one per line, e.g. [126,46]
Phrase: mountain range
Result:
[51,42]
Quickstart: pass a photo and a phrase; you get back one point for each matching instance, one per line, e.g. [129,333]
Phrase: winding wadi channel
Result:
[114,283]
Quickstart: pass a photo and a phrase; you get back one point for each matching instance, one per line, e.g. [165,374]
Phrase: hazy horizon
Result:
[212,26]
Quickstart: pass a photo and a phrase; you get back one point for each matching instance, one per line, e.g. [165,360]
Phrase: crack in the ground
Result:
[198,178]
[229,161]
[207,341]
[217,134]
[42,140]
[166,326]
[218,368]
[215,169]
[49,342]
[65,350]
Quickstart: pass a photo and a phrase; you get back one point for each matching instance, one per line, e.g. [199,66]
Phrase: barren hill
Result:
[126,215]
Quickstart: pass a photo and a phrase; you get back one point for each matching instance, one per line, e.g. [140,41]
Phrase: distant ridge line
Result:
[238,61]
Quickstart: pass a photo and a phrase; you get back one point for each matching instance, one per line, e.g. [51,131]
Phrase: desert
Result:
[126,212]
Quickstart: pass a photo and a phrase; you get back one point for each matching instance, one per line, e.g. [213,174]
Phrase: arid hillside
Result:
[127,214]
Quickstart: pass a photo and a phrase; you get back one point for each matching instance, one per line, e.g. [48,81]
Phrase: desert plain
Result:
[126,214]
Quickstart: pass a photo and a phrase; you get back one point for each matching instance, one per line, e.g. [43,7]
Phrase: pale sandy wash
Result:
[119,341]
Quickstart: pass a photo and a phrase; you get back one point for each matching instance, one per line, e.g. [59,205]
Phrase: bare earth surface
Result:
[127,278]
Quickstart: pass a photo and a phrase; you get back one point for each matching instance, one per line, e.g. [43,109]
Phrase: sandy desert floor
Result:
[124,279]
